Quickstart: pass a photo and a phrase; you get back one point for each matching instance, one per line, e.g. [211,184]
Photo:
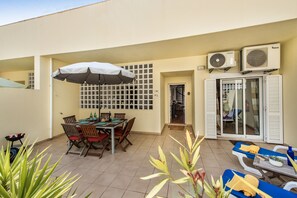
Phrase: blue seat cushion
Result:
[262,151]
[270,189]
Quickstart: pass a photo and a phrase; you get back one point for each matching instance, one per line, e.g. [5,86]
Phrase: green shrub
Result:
[30,176]
[189,156]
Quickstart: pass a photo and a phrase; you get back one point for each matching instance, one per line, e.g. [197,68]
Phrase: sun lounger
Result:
[269,189]
[240,154]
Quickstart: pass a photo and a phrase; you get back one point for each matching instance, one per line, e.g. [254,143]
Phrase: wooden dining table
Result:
[107,125]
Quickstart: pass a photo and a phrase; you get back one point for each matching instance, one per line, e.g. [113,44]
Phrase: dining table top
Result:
[102,124]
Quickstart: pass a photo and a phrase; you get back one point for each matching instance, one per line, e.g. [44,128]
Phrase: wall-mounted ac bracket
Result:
[225,69]
[264,72]
[246,72]
[268,71]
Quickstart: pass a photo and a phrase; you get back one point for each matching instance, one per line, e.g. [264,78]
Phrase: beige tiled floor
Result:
[119,175]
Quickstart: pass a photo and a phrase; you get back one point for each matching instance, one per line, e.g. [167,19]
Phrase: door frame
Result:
[169,103]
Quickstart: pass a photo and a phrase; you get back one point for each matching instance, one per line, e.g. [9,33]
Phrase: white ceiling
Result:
[189,46]
[18,64]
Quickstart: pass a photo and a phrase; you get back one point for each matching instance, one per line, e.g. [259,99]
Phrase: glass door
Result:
[232,107]
[253,108]
[240,109]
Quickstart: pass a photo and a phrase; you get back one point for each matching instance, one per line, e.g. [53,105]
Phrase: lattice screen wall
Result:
[31,80]
[136,95]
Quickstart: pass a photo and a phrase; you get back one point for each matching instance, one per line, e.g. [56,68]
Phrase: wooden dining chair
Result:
[121,135]
[122,117]
[70,119]
[74,138]
[92,136]
[119,115]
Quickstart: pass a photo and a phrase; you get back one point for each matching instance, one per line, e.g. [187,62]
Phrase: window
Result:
[136,95]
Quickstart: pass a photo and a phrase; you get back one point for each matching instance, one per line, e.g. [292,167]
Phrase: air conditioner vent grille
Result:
[257,57]
[217,60]
[261,58]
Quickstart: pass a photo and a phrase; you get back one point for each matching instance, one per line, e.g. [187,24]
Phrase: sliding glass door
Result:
[253,108]
[240,108]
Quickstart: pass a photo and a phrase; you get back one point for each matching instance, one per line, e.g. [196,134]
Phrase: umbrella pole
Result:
[99,109]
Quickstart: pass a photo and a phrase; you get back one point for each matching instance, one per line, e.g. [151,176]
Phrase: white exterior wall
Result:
[117,23]
[27,110]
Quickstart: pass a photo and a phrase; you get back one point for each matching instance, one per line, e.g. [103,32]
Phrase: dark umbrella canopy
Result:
[94,73]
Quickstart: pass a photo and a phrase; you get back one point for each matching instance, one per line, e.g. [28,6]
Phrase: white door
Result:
[210,108]
[274,118]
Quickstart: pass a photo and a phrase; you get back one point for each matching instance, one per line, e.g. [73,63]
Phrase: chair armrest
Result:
[277,147]
[290,185]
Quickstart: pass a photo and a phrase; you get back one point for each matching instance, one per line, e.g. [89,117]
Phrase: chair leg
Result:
[103,149]
[82,151]
[120,144]
[123,148]
[126,145]
[70,146]
[89,146]
[108,145]
[76,143]
[128,141]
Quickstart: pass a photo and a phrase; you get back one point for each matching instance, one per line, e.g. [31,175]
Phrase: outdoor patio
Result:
[119,175]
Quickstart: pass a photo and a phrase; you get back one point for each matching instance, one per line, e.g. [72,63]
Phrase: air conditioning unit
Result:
[219,60]
[261,58]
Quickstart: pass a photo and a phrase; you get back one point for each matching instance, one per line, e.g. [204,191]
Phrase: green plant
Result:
[189,156]
[275,158]
[30,176]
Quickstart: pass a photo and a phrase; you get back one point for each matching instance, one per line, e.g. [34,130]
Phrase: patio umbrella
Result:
[9,83]
[94,73]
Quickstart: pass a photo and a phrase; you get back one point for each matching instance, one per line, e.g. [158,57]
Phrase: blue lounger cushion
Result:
[262,151]
[270,189]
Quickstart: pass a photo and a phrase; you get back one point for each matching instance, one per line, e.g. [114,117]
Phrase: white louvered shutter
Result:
[274,109]
[210,108]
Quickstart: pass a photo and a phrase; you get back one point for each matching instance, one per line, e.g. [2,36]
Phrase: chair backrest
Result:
[89,131]
[70,119]
[128,127]
[119,115]
[70,130]
[105,115]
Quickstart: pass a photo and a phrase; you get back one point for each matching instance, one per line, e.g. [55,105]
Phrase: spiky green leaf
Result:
[189,140]
[181,180]
[179,143]
[162,155]
[157,188]
[176,159]
[152,176]
[196,157]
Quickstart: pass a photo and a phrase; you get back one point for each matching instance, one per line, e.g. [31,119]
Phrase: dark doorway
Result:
[177,104]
